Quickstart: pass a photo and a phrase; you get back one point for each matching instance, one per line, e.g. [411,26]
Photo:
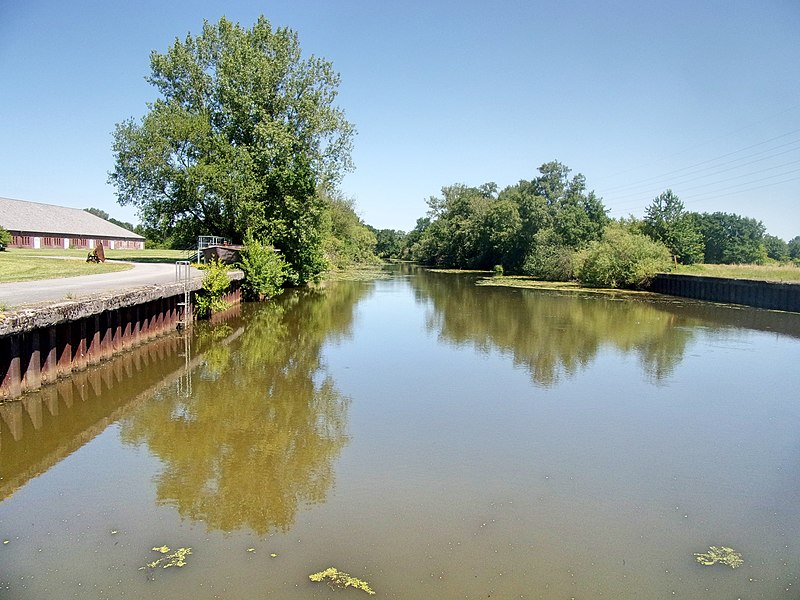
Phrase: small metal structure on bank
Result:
[183,274]
[204,241]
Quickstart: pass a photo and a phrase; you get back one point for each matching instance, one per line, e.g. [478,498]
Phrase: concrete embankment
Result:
[40,344]
[759,294]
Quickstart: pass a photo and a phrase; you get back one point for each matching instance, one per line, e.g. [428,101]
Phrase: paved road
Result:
[14,295]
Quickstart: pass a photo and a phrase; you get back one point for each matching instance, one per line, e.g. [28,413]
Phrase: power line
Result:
[738,189]
[708,141]
[724,167]
[664,176]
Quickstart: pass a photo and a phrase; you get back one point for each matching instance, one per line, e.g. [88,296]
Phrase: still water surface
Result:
[432,437]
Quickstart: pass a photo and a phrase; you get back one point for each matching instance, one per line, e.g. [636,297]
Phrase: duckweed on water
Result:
[340,579]
[722,555]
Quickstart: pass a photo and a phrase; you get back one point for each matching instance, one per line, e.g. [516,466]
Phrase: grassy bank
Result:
[778,272]
[357,273]
[523,281]
[17,267]
[23,264]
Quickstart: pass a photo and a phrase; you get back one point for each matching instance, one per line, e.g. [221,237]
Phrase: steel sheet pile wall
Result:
[760,294]
[40,345]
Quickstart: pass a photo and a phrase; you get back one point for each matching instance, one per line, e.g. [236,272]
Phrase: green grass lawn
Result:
[777,272]
[23,264]
[156,255]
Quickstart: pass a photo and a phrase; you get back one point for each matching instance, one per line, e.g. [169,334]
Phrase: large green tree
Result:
[348,241]
[5,238]
[776,248]
[243,135]
[794,247]
[667,221]
[730,238]
[389,242]
[622,259]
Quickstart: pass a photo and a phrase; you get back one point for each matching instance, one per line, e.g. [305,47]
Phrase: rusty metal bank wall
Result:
[39,345]
[760,294]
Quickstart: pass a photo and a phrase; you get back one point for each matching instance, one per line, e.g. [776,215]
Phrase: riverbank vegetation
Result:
[210,298]
[549,228]
[264,269]
[552,228]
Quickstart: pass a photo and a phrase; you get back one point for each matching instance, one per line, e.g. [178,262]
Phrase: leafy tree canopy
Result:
[243,135]
[348,240]
[389,242]
[794,247]
[104,215]
[623,258]
[476,227]
[731,239]
[667,221]
[776,248]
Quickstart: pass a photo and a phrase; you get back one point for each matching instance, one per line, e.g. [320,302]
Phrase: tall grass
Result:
[774,272]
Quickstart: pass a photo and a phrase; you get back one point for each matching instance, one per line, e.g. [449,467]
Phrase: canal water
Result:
[432,437]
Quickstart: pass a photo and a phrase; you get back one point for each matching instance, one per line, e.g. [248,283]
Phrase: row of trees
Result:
[552,227]
[719,238]
[532,227]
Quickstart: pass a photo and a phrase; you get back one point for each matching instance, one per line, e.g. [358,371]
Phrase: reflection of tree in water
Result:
[256,440]
[552,334]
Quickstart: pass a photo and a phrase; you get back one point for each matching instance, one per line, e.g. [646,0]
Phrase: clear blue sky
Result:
[699,96]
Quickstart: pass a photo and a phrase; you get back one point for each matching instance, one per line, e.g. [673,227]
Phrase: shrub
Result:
[622,259]
[209,299]
[264,269]
[498,270]
[549,258]
[5,238]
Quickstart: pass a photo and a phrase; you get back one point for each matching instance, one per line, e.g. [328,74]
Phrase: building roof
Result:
[59,221]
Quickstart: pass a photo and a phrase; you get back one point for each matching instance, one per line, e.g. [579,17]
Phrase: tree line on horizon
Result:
[552,228]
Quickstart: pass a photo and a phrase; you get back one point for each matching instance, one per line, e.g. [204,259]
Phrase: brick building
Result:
[36,225]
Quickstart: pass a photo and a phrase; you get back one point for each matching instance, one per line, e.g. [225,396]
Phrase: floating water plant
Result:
[340,579]
[720,554]
[176,559]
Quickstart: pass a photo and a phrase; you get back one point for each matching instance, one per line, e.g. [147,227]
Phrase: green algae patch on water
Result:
[720,554]
[341,579]
[176,559]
